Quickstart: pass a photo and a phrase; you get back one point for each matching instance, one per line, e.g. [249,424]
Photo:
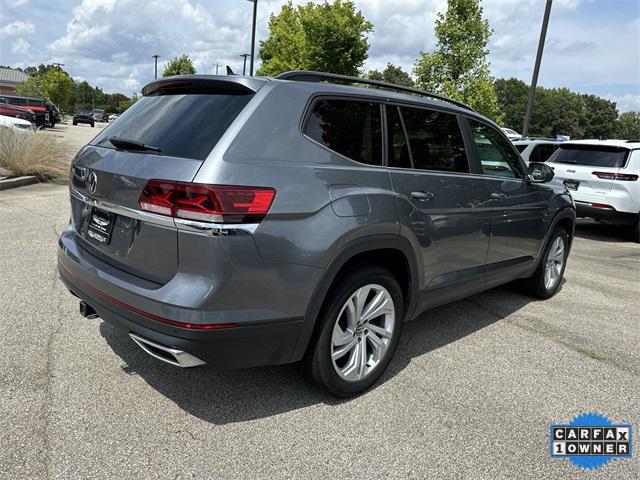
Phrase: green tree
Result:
[458,68]
[601,117]
[391,74]
[31,87]
[628,126]
[57,86]
[511,95]
[329,37]
[181,65]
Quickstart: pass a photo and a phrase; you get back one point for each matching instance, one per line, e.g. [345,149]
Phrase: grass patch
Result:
[590,354]
[33,153]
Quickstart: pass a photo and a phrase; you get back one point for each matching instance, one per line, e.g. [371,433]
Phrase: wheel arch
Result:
[376,249]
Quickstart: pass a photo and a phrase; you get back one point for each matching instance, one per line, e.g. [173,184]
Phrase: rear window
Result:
[185,126]
[590,155]
[350,128]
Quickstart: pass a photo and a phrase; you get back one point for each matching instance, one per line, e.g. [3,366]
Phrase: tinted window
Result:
[496,154]
[185,126]
[435,140]
[521,147]
[398,155]
[351,128]
[542,152]
[591,155]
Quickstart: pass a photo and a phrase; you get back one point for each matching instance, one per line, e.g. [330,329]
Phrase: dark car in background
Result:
[84,116]
[17,112]
[55,116]
[36,105]
[245,221]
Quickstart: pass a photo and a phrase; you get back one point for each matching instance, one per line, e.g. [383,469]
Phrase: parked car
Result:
[36,105]
[100,115]
[84,116]
[244,221]
[602,176]
[17,112]
[511,134]
[55,116]
[536,149]
[113,117]
[16,124]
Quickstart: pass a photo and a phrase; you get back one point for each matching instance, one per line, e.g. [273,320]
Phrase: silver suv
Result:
[244,221]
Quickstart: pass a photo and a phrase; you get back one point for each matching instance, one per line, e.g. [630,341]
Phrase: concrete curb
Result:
[17,182]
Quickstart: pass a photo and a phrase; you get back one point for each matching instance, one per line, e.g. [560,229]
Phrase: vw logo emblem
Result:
[92,182]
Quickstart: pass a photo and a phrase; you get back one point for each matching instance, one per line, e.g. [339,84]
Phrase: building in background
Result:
[9,79]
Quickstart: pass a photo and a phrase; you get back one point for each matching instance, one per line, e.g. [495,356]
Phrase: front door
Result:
[518,206]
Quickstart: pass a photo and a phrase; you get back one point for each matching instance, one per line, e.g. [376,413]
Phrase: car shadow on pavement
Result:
[592,230]
[229,396]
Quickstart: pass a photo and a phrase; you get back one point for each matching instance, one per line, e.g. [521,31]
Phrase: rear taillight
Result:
[207,203]
[602,205]
[625,177]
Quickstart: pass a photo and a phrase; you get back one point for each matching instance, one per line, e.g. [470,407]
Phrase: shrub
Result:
[33,153]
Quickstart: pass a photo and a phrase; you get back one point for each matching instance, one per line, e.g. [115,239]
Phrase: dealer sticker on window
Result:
[590,440]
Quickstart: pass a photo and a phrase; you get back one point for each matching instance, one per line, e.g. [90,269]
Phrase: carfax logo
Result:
[590,440]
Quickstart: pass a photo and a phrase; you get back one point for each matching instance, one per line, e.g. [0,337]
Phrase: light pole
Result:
[244,62]
[536,68]
[155,57]
[218,65]
[59,70]
[253,35]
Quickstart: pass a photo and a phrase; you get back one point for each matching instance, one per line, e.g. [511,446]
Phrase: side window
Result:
[398,154]
[545,151]
[496,154]
[348,127]
[435,140]
[534,156]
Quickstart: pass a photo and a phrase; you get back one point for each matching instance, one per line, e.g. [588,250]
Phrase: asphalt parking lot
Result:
[470,394]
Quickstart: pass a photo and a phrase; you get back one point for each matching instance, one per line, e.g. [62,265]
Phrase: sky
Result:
[593,46]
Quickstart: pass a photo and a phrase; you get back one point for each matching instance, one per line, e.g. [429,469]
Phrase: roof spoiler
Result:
[204,84]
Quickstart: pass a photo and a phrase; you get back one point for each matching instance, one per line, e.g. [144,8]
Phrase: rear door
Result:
[586,170]
[180,130]
[445,207]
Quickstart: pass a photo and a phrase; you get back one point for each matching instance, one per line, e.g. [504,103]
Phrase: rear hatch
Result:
[166,135]
[586,170]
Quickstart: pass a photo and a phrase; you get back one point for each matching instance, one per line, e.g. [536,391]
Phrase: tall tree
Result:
[628,126]
[601,117]
[57,86]
[31,87]
[329,37]
[458,68]
[511,95]
[391,74]
[181,65]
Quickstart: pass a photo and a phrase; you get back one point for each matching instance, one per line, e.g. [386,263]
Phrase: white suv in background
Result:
[603,178]
[536,149]
[511,133]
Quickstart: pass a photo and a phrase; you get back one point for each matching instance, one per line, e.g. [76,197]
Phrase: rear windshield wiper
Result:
[132,145]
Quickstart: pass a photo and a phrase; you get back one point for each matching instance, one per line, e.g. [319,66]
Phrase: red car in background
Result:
[17,112]
[36,105]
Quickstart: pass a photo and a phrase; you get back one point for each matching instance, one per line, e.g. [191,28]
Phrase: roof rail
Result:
[310,76]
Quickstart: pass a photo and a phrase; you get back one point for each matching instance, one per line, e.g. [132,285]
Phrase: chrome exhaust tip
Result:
[166,354]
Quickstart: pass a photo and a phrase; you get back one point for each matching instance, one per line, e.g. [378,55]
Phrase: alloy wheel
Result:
[554,263]
[362,332]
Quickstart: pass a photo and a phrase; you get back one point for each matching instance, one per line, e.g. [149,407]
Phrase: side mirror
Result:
[540,172]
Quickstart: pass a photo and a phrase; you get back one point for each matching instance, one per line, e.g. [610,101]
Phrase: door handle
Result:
[498,196]
[422,195]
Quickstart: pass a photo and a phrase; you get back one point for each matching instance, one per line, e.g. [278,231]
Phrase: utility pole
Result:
[155,57]
[536,68]
[217,65]
[244,63]
[59,70]
[253,35]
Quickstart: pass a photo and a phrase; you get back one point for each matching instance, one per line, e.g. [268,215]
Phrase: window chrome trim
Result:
[203,228]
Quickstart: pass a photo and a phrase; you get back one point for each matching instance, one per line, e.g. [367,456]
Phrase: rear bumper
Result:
[612,215]
[246,338]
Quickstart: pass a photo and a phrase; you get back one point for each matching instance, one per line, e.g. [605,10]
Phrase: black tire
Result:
[93,124]
[535,285]
[318,363]
[75,123]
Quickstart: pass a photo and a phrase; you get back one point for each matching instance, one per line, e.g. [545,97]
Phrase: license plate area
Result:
[571,184]
[100,226]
